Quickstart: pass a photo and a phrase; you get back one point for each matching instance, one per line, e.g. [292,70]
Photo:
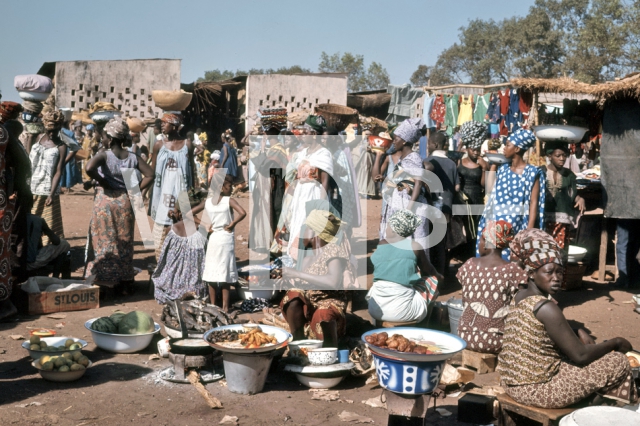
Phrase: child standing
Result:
[220,265]
[562,197]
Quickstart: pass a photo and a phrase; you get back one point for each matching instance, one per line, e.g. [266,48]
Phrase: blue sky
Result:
[399,34]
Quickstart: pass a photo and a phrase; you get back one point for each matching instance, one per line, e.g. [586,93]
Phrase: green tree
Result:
[374,77]
[217,75]
[591,40]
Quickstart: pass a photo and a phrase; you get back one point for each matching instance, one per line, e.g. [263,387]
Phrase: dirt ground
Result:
[124,389]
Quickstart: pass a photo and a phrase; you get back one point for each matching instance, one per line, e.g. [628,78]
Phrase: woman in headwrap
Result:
[312,182]
[319,314]
[172,161]
[405,190]
[399,293]
[544,362]
[111,231]
[47,157]
[488,285]
[516,196]
[471,171]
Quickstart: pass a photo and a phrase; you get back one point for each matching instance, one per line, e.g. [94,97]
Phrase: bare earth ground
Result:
[124,389]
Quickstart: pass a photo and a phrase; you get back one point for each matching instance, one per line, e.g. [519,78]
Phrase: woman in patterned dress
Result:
[544,362]
[111,230]
[182,259]
[319,311]
[488,285]
[516,196]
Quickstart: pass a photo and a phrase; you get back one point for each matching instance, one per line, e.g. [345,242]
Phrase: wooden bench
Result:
[512,413]
[482,363]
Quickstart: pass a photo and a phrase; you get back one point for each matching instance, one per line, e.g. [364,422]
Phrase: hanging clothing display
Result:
[438,110]
[514,117]
[466,110]
[426,111]
[451,116]
[505,97]
[526,101]
[481,106]
[403,101]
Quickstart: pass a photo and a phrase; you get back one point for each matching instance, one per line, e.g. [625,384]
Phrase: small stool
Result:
[512,412]
[482,363]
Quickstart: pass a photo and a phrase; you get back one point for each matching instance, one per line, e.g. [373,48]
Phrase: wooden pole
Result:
[536,121]
[212,401]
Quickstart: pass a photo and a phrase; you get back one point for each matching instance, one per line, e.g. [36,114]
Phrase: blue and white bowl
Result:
[410,373]
[29,117]
[408,377]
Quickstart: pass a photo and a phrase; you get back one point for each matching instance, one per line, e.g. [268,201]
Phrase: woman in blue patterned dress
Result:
[516,197]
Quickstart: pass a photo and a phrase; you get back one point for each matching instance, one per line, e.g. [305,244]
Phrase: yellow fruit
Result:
[76,367]
[67,355]
[34,340]
[59,362]
[47,366]
[34,347]
[43,344]
[44,359]
[83,360]
[77,355]
[75,347]
[68,342]
[63,369]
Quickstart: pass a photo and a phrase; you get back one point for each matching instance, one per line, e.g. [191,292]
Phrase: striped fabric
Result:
[528,354]
[52,215]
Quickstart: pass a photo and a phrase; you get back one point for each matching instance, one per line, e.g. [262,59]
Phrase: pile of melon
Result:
[68,361]
[135,322]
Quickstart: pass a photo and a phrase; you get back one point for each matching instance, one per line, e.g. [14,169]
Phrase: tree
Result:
[375,77]
[591,40]
[217,75]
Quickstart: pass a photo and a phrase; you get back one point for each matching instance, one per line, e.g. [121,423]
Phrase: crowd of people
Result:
[513,238]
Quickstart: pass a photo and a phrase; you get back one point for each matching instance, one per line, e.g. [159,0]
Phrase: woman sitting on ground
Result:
[182,257]
[399,292]
[319,314]
[545,363]
[488,285]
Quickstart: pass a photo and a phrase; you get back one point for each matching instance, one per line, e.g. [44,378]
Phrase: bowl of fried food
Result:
[237,338]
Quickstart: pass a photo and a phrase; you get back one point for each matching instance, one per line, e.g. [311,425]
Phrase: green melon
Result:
[136,322]
[105,325]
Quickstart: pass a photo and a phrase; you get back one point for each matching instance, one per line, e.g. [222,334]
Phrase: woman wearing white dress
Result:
[220,265]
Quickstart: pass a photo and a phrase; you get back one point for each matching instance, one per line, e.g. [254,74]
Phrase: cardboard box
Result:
[46,302]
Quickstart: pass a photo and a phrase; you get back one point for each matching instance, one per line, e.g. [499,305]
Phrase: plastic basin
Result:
[121,343]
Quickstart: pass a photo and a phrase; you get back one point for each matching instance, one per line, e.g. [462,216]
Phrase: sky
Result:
[205,34]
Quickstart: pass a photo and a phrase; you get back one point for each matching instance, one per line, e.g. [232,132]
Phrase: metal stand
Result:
[406,410]
[183,362]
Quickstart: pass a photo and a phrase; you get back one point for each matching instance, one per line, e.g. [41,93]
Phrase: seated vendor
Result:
[488,285]
[543,362]
[314,313]
[401,267]
[182,257]
[53,254]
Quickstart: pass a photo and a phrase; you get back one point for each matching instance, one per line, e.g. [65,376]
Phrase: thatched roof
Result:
[628,86]
[552,85]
